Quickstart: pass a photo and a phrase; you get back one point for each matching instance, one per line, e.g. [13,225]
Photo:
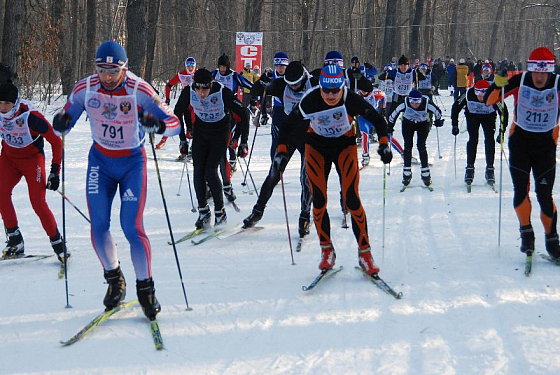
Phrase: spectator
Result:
[451,75]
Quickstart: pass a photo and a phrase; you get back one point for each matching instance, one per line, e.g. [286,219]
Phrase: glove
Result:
[152,125]
[385,152]
[356,74]
[280,161]
[53,181]
[188,134]
[390,128]
[439,123]
[61,122]
[184,147]
[264,119]
[501,135]
[242,150]
[368,65]
[455,130]
[501,80]
[167,101]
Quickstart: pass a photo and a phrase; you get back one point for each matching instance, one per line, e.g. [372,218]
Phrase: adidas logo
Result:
[128,196]
[543,182]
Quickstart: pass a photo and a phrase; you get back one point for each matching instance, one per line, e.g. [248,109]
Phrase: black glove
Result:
[184,147]
[385,152]
[61,121]
[264,119]
[151,124]
[368,65]
[53,181]
[439,123]
[356,74]
[242,150]
[280,161]
[167,101]
[390,128]
[455,130]
[501,135]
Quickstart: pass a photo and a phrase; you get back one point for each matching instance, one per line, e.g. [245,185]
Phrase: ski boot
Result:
[253,218]
[365,160]
[204,216]
[304,224]
[552,245]
[116,292]
[469,174]
[161,143]
[181,157]
[220,218]
[406,176]
[527,239]
[59,245]
[366,262]
[426,177]
[147,298]
[14,245]
[490,178]
[328,257]
[228,192]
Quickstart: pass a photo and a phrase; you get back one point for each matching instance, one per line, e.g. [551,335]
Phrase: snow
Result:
[467,306]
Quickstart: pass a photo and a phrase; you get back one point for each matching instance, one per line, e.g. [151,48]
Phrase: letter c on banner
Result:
[248,51]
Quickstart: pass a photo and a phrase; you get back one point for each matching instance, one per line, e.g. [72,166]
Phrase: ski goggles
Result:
[111,71]
[202,86]
[330,91]
[415,100]
[191,63]
[480,91]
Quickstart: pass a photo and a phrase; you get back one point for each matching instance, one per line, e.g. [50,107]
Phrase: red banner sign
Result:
[248,50]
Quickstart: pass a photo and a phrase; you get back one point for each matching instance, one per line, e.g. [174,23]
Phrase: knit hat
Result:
[190,61]
[202,77]
[224,60]
[8,92]
[415,96]
[541,60]
[334,57]
[331,77]
[281,58]
[481,86]
[294,73]
[403,60]
[354,59]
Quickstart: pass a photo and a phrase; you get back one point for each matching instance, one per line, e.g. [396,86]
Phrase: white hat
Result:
[461,61]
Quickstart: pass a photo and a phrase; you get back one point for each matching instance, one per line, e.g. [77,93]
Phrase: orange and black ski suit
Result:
[330,138]
[532,144]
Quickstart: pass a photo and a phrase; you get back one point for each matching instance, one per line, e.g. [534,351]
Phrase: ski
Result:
[239,231]
[188,236]
[528,264]
[322,276]
[429,187]
[299,244]
[403,188]
[469,188]
[96,322]
[235,206]
[62,270]
[493,187]
[380,283]
[25,256]
[344,224]
[551,260]
[212,235]
[156,334]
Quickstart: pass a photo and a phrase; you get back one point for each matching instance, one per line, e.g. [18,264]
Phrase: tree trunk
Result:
[65,65]
[91,43]
[153,17]
[494,38]
[14,18]
[414,46]
[389,35]
[452,47]
[136,29]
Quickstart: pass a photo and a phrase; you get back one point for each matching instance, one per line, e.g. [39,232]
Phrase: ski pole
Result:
[455,157]
[390,143]
[250,155]
[181,181]
[72,204]
[251,176]
[384,198]
[68,306]
[168,221]
[437,135]
[501,174]
[189,182]
[286,214]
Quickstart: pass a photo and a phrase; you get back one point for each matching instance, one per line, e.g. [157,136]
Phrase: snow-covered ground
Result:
[467,306]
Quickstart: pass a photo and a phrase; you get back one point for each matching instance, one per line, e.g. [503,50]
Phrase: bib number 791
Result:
[112,131]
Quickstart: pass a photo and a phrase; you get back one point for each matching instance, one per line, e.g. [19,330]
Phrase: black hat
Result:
[202,77]
[8,92]
[294,72]
[224,60]
[403,60]
[355,59]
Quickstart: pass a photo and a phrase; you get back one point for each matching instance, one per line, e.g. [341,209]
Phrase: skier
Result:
[487,73]
[211,105]
[185,77]
[416,110]
[403,81]
[478,114]
[289,90]
[532,143]
[425,85]
[386,85]
[122,108]
[281,61]
[322,117]
[23,130]
[355,77]
[377,100]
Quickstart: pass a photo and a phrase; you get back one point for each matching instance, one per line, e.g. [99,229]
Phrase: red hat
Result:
[541,60]
[482,84]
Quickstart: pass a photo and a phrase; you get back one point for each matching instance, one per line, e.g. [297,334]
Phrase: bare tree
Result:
[390,23]
[414,48]
[14,18]
[136,29]
[153,16]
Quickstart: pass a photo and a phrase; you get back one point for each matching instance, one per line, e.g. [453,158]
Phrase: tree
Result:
[390,21]
[14,18]
[136,11]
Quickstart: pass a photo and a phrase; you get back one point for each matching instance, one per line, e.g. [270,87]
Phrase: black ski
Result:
[380,283]
[235,206]
[322,276]
[25,256]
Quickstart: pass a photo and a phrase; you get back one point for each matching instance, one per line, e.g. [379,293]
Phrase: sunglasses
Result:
[330,91]
[111,71]
[202,86]
[414,101]
[191,64]
[480,91]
